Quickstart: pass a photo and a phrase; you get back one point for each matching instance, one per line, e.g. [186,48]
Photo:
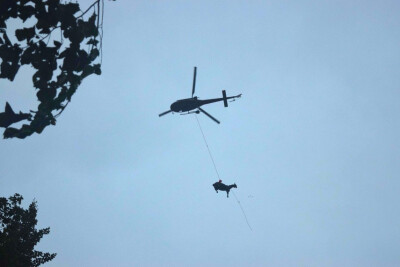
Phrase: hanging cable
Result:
[244,214]
[216,170]
[209,152]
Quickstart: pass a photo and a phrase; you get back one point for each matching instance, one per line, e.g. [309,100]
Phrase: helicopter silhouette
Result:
[185,106]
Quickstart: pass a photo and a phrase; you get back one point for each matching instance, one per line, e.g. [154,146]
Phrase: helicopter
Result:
[192,105]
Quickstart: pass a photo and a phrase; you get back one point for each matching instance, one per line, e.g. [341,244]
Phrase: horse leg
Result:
[227,193]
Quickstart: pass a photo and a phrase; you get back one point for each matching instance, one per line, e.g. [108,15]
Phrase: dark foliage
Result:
[9,117]
[60,68]
[18,235]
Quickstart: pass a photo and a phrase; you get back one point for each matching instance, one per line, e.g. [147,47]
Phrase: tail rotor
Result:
[225,99]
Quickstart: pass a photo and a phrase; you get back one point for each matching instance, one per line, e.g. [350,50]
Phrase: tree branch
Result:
[92,5]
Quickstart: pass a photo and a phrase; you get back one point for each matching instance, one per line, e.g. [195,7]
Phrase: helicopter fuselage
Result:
[188,104]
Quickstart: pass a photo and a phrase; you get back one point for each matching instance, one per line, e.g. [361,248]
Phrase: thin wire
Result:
[240,205]
[216,170]
[101,32]
[209,152]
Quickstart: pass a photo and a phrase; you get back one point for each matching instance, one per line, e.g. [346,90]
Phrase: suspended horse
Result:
[223,187]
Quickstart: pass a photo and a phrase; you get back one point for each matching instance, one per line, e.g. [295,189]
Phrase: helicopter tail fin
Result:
[225,99]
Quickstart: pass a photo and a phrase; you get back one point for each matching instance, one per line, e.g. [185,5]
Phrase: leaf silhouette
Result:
[25,34]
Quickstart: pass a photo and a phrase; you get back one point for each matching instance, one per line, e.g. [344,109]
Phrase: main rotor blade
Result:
[194,80]
[166,112]
[211,117]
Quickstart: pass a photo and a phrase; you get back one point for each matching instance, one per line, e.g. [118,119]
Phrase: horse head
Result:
[216,186]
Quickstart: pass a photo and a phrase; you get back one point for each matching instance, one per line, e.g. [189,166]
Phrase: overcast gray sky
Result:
[313,144]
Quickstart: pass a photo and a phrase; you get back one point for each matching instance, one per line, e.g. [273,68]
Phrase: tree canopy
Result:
[61,61]
[18,235]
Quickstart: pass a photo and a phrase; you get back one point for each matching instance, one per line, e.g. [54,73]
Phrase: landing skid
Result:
[203,111]
[190,112]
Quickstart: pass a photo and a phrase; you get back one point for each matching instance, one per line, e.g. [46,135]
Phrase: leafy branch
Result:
[55,82]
